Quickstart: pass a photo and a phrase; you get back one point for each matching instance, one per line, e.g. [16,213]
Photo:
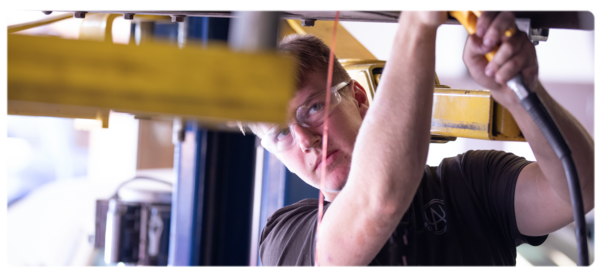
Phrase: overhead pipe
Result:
[254,31]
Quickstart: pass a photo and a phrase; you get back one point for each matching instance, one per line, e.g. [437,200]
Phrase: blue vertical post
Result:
[212,200]
[223,234]
[186,194]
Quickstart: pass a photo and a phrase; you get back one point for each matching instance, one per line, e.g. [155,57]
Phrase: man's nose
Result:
[307,138]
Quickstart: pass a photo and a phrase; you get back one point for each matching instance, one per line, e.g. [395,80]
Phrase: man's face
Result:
[304,158]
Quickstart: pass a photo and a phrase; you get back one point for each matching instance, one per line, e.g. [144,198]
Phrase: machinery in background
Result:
[133,226]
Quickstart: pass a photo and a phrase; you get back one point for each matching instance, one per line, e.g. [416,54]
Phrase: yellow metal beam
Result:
[461,113]
[212,83]
[346,45]
[47,20]
[456,112]
[28,108]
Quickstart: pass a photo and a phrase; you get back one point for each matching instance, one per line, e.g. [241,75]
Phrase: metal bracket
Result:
[538,34]
[534,34]
[177,18]
[79,14]
[128,16]
[308,22]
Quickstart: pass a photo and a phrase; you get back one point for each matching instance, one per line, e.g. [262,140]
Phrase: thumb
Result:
[474,54]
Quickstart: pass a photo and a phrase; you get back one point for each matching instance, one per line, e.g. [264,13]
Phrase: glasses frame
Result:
[272,147]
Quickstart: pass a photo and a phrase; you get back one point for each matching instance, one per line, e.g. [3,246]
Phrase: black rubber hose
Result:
[544,121]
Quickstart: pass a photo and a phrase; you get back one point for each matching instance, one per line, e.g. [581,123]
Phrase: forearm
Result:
[399,119]
[579,141]
[389,154]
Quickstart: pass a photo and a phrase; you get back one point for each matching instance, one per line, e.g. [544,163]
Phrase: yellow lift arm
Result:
[456,112]
[83,79]
[212,84]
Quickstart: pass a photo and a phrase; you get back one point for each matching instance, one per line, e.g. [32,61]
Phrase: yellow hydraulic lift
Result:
[89,77]
[85,79]
[456,112]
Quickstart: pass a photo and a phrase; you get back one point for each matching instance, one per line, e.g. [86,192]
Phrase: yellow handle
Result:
[469,20]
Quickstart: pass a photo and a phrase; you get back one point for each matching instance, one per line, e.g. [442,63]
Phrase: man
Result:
[384,205]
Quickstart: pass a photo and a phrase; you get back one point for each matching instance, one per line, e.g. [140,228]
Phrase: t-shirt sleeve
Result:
[493,176]
[288,238]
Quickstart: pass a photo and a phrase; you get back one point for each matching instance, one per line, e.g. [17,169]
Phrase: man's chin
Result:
[335,183]
[334,187]
[332,190]
[328,189]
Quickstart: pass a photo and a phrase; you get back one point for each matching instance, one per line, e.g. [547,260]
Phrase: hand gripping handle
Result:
[533,105]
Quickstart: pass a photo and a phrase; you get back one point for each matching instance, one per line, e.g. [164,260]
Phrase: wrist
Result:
[509,100]
[420,21]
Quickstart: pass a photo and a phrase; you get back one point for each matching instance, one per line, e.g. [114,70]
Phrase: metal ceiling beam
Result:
[347,46]
[582,20]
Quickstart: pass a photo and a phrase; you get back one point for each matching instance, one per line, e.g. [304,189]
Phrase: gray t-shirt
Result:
[462,214]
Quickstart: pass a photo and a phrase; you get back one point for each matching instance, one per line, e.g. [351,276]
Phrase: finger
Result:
[509,69]
[502,22]
[506,51]
[524,61]
[474,47]
[476,62]
[484,22]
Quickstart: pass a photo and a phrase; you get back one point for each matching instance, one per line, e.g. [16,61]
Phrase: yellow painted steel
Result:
[505,127]
[213,83]
[30,108]
[456,112]
[346,45]
[47,20]
[469,20]
[286,29]
[361,70]
[461,113]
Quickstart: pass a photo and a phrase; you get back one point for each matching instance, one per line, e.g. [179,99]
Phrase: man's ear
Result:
[360,95]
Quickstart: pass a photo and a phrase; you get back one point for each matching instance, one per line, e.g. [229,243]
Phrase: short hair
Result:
[310,54]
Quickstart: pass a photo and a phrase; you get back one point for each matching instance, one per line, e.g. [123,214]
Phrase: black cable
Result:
[576,201]
[116,195]
[533,105]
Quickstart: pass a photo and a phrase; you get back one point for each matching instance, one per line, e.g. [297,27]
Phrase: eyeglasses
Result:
[310,114]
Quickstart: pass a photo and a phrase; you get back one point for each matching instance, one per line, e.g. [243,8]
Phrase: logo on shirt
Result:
[435,215]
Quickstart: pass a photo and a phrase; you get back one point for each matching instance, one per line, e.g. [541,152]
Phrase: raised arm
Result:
[390,150]
[542,201]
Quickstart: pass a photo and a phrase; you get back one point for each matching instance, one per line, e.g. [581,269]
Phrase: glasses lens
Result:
[312,112]
[278,139]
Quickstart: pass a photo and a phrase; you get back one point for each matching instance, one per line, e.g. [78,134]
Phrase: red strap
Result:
[325,131]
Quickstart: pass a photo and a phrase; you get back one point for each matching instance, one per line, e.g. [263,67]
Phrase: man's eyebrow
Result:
[313,95]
